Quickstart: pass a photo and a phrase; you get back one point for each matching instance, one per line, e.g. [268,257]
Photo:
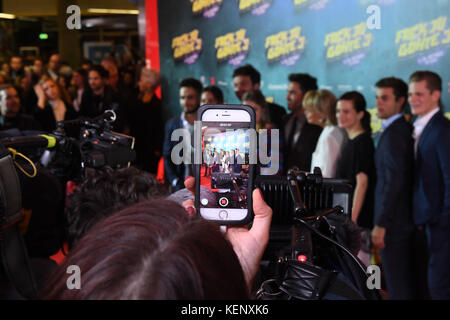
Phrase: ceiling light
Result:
[7,16]
[112,11]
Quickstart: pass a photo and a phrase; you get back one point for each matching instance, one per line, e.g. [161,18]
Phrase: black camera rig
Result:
[93,145]
[307,255]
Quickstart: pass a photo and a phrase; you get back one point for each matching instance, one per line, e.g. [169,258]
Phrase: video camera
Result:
[66,156]
[93,146]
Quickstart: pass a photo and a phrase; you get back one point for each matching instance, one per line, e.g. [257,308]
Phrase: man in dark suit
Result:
[247,78]
[394,162]
[431,197]
[176,168]
[300,137]
[100,97]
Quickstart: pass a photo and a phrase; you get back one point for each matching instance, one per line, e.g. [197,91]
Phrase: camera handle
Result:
[301,236]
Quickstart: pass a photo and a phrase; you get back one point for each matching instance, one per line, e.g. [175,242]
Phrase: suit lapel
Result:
[397,122]
[427,130]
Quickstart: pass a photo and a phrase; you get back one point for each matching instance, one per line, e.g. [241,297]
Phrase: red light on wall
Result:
[302,258]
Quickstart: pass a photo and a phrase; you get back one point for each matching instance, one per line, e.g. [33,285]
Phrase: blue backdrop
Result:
[337,41]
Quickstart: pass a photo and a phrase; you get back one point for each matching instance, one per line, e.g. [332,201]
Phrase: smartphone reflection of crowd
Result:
[226,161]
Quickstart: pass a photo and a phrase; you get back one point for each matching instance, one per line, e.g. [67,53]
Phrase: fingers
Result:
[263,216]
[189,205]
[189,183]
[378,242]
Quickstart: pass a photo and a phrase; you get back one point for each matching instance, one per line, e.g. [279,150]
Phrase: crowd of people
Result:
[400,179]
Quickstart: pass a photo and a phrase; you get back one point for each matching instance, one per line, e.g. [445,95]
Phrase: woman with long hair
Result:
[55,108]
[357,162]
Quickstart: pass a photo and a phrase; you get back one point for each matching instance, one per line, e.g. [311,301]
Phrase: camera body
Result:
[95,147]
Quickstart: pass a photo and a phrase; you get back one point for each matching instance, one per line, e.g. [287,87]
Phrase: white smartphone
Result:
[224,179]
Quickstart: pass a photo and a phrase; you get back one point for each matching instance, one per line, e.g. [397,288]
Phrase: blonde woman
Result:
[320,109]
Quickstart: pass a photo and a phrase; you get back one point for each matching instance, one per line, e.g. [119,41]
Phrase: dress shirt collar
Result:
[422,121]
[390,120]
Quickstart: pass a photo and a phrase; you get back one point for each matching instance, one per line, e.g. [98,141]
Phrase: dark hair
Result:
[192,83]
[84,74]
[104,191]
[152,250]
[248,70]
[257,97]
[86,61]
[434,81]
[359,104]
[399,87]
[216,92]
[103,73]
[305,81]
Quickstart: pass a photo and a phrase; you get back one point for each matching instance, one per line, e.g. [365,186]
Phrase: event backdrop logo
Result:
[187,47]
[350,44]
[208,8]
[285,46]
[312,4]
[426,40]
[233,46]
[257,7]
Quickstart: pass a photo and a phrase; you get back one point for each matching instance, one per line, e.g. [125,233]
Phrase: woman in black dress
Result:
[356,163]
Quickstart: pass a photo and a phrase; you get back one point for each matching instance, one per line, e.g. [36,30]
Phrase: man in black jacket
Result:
[431,193]
[11,116]
[394,161]
[300,137]
[176,168]
[100,97]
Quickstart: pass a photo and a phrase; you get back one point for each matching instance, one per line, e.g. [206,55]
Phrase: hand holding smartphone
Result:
[226,170]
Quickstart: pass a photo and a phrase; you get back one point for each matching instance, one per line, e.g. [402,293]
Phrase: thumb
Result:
[263,216]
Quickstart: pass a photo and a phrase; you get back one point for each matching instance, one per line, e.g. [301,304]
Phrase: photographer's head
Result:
[152,250]
[106,191]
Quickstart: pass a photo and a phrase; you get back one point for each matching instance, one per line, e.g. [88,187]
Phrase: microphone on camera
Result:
[40,141]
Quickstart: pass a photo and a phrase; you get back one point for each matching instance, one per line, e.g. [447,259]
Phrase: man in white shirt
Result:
[431,197]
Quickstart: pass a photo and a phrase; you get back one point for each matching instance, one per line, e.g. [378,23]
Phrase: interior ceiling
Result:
[41,8]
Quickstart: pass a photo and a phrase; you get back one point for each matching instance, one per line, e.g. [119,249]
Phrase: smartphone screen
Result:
[226,171]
